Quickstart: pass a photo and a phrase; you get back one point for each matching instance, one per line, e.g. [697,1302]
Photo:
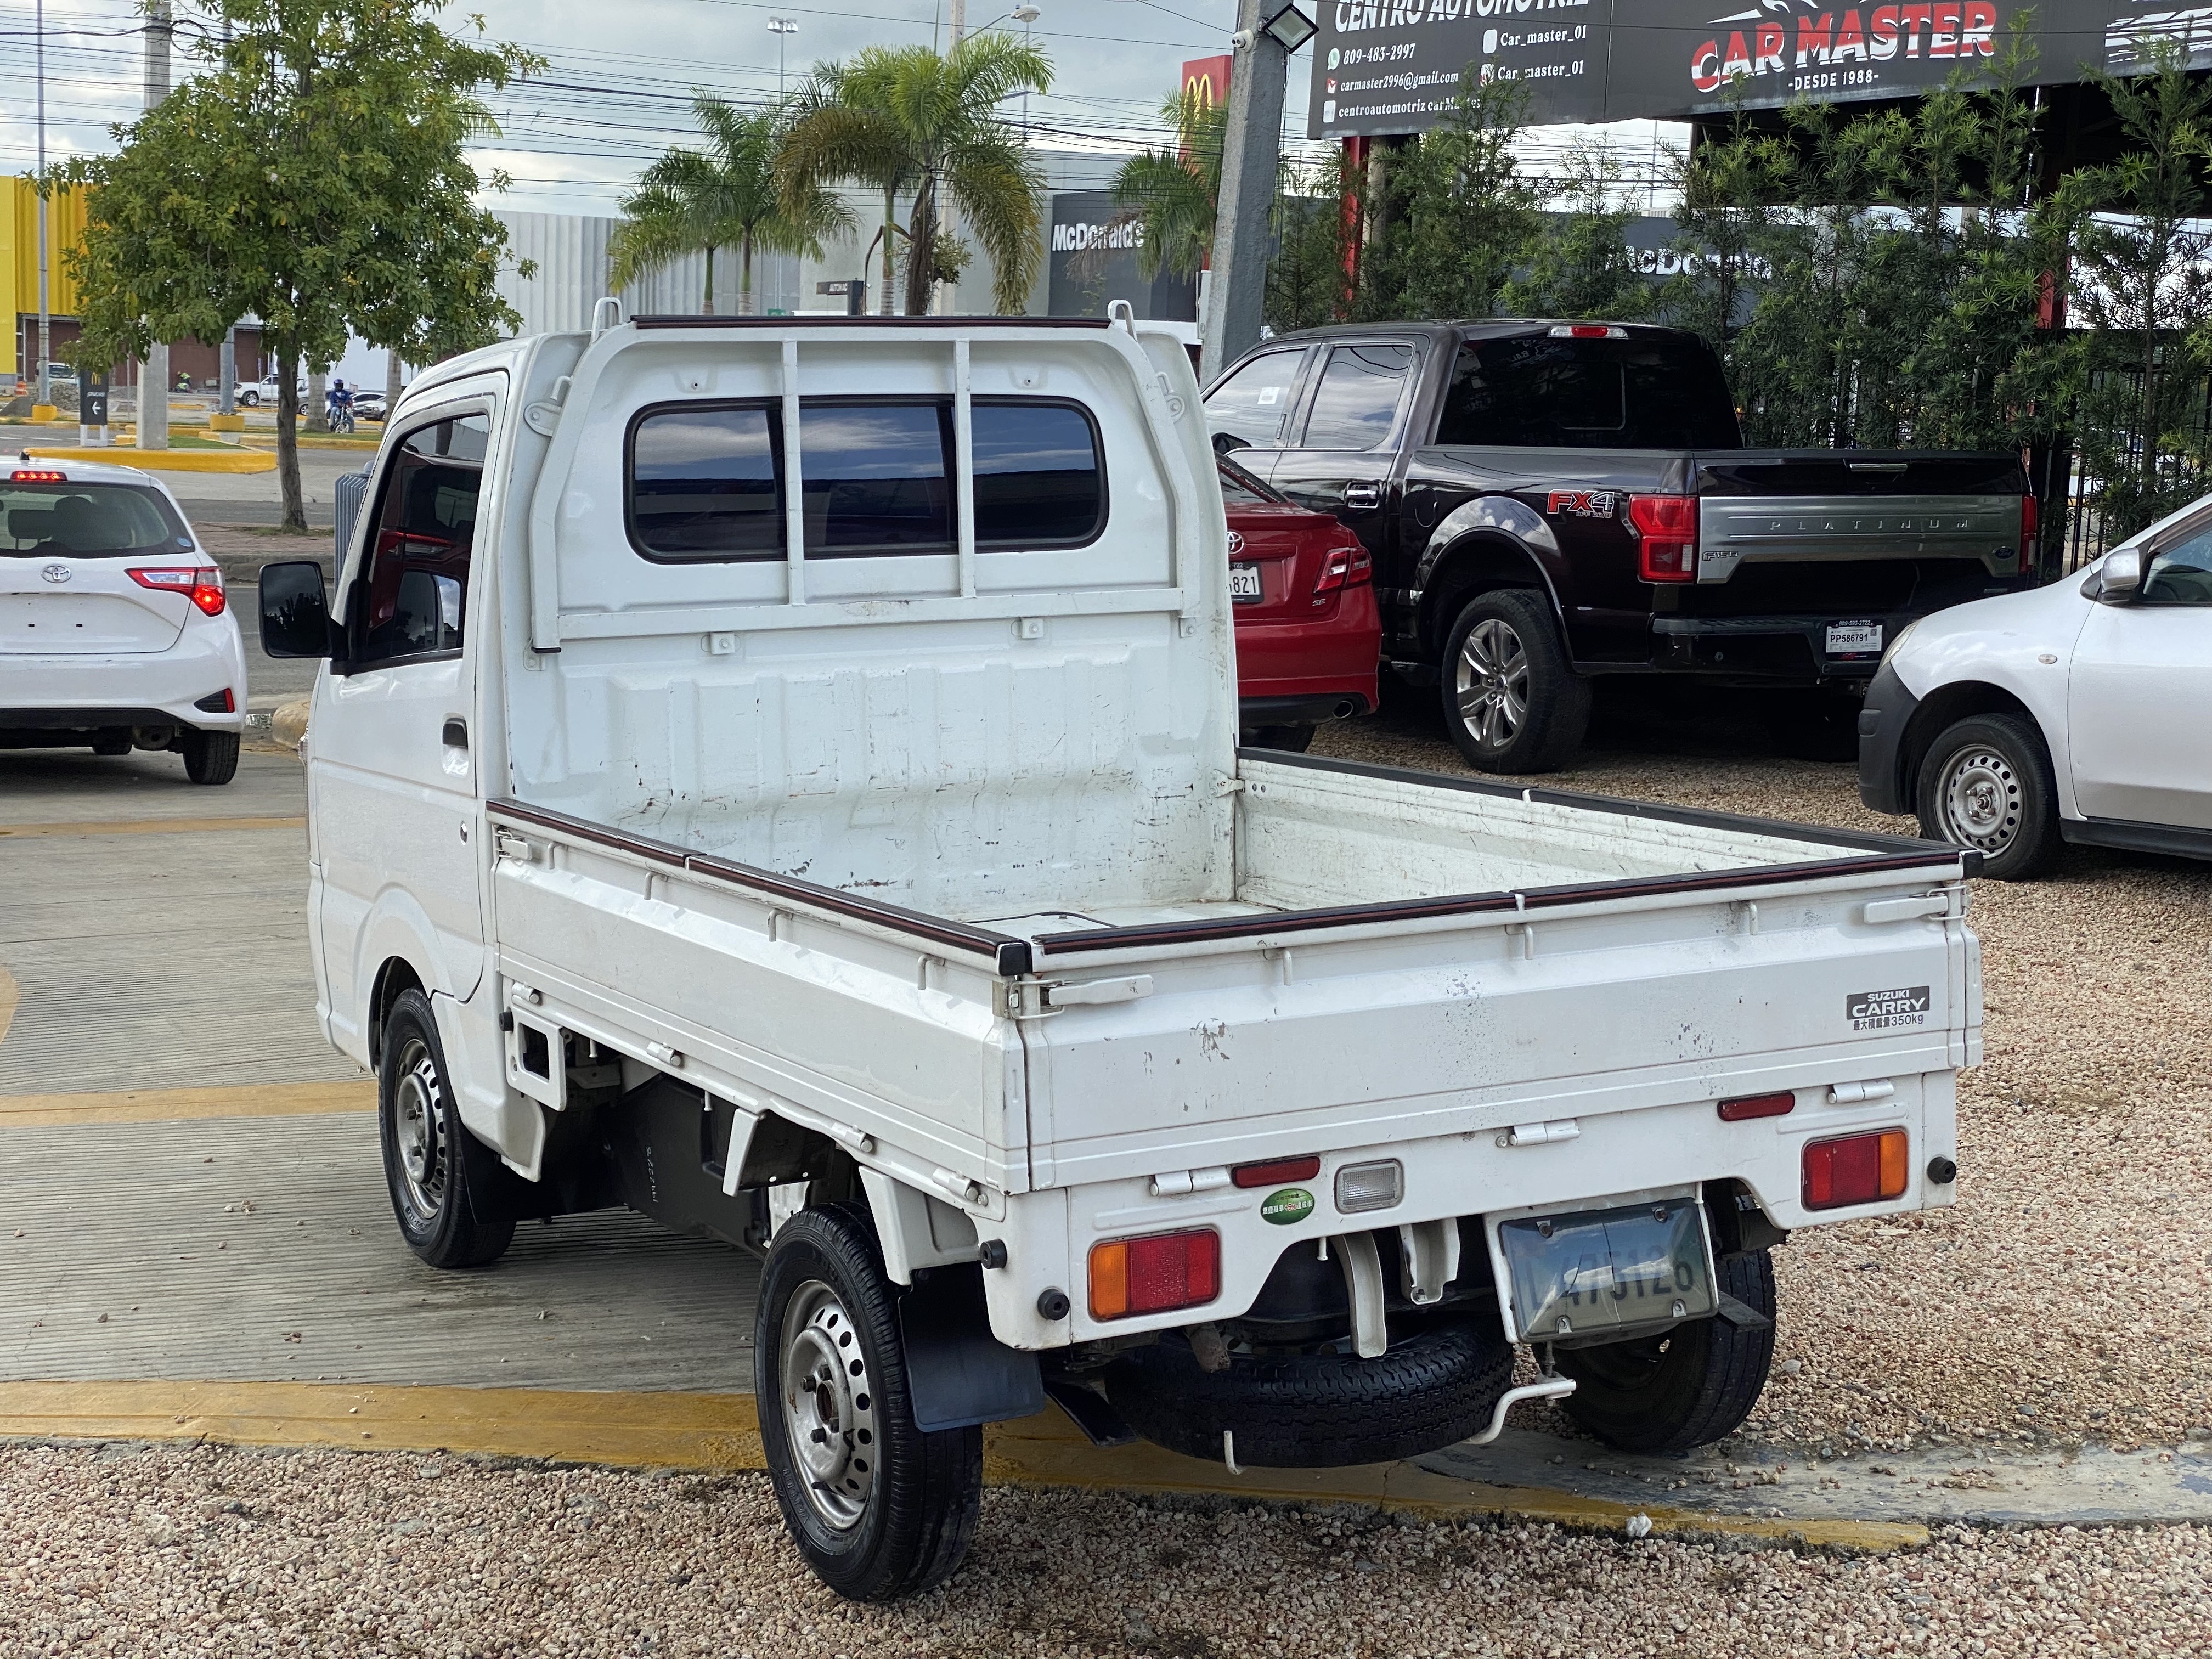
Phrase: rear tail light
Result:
[1344,567]
[200,583]
[1855,1170]
[1588,332]
[1377,1186]
[218,702]
[1275,1172]
[39,475]
[1667,528]
[2030,518]
[1154,1275]
[1778,1104]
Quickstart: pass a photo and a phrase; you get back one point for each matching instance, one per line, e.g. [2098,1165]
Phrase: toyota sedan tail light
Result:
[200,583]
[1344,567]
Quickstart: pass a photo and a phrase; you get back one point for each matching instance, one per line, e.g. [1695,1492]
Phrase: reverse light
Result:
[39,475]
[1154,1273]
[200,583]
[1857,1169]
[1667,529]
[1276,1172]
[1777,1104]
[1346,566]
[1375,1186]
[1588,332]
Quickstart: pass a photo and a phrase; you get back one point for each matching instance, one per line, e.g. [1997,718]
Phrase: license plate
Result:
[1245,583]
[1601,1272]
[1854,638]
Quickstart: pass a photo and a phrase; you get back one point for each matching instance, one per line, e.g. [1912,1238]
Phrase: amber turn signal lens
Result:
[1857,1169]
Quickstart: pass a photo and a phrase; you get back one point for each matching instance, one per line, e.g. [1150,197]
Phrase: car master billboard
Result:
[1395,68]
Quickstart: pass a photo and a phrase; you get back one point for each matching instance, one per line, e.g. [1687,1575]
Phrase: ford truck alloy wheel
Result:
[1493,682]
[829,1409]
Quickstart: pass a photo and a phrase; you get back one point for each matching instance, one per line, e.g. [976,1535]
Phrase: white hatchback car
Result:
[115,632]
[2079,712]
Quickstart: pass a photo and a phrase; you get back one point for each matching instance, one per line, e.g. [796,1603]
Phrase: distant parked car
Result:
[1308,637]
[252,394]
[370,406]
[115,632]
[2075,711]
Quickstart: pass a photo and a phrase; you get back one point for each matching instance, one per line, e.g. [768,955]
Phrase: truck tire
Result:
[1319,1410]
[453,1199]
[879,1508]
[1512,701]
[1687,1387]
[1986,782]
[209,757]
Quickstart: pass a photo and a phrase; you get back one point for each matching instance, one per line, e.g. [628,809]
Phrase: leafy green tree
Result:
[1729,193]
[1317,210]
[901,120]
[1464,216]
[692,201]
[1581,265]
[1176,193]
[2144,281]
[310,174]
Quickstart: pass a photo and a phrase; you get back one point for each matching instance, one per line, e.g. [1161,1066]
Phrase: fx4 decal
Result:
[1582,503]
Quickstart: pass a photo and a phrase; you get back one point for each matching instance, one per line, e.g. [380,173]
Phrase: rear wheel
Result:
[1685,1386]
[1987,783]
[453,1199]
[1512,701]
[879,1508]
[209,757]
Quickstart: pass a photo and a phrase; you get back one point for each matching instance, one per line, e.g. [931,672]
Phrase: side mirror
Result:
[2119,579]
[1228,443]
[295,611]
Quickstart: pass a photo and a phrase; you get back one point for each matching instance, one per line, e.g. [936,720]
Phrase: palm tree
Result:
[726,197]
[903,119]
[1174,195]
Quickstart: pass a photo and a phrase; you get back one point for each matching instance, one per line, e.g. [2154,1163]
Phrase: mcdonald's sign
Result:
[1208,79]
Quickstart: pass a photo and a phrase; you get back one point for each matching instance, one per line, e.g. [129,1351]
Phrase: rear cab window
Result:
[1542,392]
[877,477]
[45,519]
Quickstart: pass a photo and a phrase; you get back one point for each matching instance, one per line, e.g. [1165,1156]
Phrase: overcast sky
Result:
[615,93]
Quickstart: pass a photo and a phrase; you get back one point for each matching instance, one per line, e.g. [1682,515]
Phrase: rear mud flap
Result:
[958,1373]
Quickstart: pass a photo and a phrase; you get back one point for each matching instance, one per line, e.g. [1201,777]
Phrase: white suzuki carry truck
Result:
[780,774]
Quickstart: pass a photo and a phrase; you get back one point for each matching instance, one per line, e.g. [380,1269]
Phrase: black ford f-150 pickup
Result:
[1549,502]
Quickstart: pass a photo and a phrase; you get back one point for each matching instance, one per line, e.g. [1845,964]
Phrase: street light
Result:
[1290,28]
[780,27]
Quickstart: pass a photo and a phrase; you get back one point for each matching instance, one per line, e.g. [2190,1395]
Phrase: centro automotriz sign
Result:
[1395,68]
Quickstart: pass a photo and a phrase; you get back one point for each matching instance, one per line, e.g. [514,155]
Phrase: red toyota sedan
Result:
[1308,638]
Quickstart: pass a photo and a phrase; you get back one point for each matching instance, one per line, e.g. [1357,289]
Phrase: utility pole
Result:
[226,368]
[45,394]
[782,28]
[1237,294]
[154,373]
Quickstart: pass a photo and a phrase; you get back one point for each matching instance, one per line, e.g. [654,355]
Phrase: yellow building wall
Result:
[19,259]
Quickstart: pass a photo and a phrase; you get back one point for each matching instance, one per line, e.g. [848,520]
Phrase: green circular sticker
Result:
[1290,1205]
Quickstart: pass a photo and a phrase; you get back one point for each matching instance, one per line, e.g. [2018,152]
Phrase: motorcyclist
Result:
[341,407]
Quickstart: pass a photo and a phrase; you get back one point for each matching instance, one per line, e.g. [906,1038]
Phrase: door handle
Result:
[457,735]
[1363,494]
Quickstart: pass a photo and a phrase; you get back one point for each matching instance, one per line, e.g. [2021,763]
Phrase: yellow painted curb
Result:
[47,413]
[143,826]
[166,460]
[176,1105]
[681,1430]
[226,422]
[720,1431]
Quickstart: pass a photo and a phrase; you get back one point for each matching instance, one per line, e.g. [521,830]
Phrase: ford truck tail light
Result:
[1154,1275]
[1667,532]
[1855,1170]
[1344,567]
[2030,518]
[201,584]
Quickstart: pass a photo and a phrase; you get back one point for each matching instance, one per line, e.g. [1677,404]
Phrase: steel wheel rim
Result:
[1491,682]
[829,1405]
[420,1135]
[1981,800]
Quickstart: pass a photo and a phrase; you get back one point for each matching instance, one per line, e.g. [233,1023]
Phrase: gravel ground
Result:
[2069,1295]
[182,1550]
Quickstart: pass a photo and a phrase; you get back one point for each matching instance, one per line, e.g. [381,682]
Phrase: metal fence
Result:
[2112,491]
